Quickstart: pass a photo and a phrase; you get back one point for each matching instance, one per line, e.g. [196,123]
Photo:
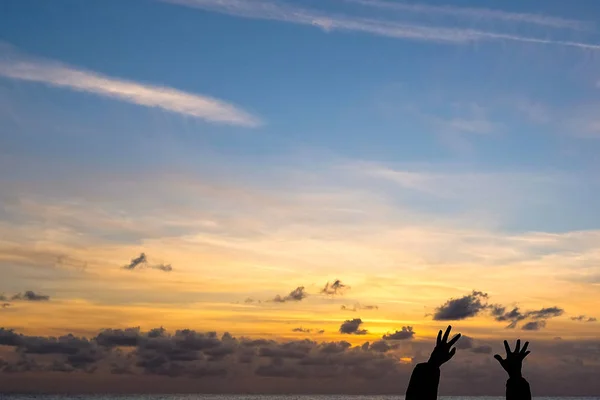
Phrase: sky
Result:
[237,195]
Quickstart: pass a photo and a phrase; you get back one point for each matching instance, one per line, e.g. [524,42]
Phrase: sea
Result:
[250,397]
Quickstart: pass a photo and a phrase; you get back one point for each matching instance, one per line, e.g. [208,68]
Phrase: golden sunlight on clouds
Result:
[270,244]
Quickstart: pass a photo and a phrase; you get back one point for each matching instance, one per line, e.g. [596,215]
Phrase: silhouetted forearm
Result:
[424,383]
[517,389]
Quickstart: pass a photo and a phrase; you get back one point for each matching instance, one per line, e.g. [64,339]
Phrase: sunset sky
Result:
[217,165]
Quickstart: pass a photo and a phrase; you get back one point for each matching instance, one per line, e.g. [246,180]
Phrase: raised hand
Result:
[514,359]
[443,350]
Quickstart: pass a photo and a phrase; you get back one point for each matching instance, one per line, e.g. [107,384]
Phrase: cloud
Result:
[475,303]
[297,294]
[30,296]
[302,330]
[307,330]
[351,327]
[136,262]
[380,346]
[129,337]
[483,349]
[142,262]
[468,343]
[515,316]
[465,342]
[221,364]
[534,325]
[70,345]
[545,313]
[407,332]
[462,308]
[278,369]
[163,267]
[359,306]
[584,318]
[17,66]
[279,11]
[478,14]
[337,287]
[8,337]
[334,347]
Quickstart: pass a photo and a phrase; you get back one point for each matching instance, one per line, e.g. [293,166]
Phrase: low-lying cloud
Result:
[295,366]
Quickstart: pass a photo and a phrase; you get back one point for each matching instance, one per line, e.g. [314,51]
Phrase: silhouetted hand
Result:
[442,353]
[514,359]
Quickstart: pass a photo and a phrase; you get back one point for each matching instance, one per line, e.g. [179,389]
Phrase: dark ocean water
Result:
[250,397]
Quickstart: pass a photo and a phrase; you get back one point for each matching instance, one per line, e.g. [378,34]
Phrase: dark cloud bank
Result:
[188,361]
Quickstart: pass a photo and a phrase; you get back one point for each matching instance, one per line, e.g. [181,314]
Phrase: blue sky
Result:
[494,105]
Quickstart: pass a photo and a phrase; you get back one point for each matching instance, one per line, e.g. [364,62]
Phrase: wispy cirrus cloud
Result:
[482,14]
[279,11]
[15,65]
